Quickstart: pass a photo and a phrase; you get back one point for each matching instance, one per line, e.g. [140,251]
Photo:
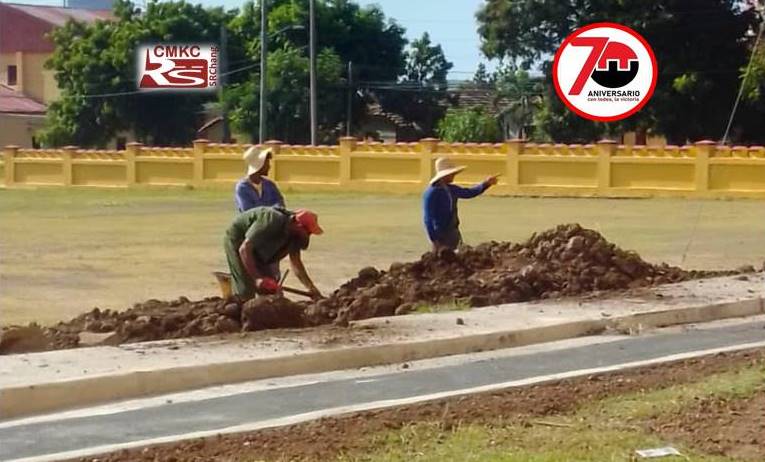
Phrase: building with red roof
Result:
[24,45]
[26,87]
[20,117]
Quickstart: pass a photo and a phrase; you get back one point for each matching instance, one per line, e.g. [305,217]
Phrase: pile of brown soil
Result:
[565,261]
[157,320]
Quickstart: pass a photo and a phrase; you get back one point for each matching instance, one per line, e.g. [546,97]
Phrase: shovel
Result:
[290,290]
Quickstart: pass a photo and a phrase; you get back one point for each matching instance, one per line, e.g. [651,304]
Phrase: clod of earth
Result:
[564,261]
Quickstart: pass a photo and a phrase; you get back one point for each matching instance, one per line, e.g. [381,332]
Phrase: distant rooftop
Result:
[14,102]
[58,16]
[24,27]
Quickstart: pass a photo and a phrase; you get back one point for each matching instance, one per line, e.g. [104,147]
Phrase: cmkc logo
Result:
[605,72]
[177,67]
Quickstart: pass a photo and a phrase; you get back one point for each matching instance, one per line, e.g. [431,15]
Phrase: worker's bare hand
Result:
[491,181]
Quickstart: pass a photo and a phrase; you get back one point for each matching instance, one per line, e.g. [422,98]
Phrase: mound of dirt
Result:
[565,261]
[157,320]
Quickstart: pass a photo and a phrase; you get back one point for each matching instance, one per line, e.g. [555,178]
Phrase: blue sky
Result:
[451,23]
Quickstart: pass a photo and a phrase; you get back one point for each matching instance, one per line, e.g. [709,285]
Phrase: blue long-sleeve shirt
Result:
[246,197]
[439,204]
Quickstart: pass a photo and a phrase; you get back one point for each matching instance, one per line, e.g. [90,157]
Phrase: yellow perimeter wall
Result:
[604,169]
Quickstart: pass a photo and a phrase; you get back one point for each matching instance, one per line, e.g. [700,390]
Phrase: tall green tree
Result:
[288,100]
[421,95]
[346,33]
[699,46]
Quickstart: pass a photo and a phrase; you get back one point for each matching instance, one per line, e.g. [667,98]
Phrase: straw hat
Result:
[255,159]
[444,168]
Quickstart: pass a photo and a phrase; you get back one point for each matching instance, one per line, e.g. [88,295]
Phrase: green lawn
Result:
[607,430]
[66,251]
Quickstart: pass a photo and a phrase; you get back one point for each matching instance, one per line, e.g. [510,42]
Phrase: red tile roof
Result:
[14,102]
[59,16]
[23,27]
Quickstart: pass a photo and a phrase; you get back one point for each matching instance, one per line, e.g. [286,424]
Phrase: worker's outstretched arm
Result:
[299,269]
[467,193]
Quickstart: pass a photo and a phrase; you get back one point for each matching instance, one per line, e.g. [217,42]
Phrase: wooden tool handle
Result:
[304,293]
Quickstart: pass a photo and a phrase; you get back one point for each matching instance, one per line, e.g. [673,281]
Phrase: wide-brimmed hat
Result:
[444,168]
[256,159]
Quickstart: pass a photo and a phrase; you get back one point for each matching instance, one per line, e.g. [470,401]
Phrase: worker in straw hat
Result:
[255,190]
[258,239]
[440,204]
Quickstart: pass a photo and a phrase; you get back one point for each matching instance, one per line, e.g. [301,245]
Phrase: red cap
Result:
[308,220]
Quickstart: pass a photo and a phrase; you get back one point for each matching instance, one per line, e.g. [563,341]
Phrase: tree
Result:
[346,32]
[468,125]
[426,63]
[482,76]
[421,95]
[524,96]
[695,66]
[288,101]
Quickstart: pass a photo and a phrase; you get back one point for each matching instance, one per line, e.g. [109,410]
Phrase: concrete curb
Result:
[27,400]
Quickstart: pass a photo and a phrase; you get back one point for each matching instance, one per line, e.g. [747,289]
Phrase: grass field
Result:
[65,251]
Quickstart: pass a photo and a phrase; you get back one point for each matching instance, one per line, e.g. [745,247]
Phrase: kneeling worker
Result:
[261,237]
[439,203]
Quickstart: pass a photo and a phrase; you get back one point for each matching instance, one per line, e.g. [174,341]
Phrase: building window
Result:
[12,76]
[121,142]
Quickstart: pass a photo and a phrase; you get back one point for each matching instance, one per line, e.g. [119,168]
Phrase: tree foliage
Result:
[99,59]
[524,96]
[469,125]
[700,45]
[95,66]
[421,95]
[346,32]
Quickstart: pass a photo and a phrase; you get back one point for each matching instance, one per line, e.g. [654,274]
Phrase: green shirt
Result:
[267,228]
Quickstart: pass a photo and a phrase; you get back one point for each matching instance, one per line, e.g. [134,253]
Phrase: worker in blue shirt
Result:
[255,190]
[440,204]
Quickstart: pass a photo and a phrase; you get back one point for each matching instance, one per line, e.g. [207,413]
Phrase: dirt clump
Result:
[28,338]
[271,313]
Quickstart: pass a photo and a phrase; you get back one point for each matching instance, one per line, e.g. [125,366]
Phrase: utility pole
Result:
[349,114]
[223,59]
[312,25]
[263,58]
